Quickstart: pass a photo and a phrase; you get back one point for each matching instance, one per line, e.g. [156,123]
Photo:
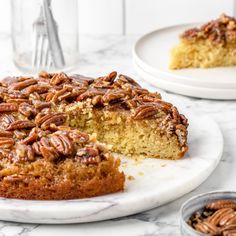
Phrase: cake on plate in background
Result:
[211,45]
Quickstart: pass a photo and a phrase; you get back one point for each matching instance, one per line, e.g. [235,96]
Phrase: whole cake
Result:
[49,126]
[211,45]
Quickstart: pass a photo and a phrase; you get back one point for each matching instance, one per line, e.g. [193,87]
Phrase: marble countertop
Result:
[102,54]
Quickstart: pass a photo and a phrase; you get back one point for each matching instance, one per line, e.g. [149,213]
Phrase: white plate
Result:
[184,89]
[152,54]
[156,183]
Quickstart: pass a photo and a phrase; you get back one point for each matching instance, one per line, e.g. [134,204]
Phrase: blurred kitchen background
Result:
[135,16]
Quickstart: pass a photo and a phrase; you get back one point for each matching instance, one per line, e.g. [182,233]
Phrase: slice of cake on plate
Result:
[211,45]
[49,126]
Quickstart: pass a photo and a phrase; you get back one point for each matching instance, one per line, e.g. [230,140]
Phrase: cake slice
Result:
[211,45]
[55,165]
[48,126]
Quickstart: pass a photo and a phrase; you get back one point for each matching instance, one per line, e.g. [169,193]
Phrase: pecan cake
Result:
[48,148]
[211,45]
[217,218]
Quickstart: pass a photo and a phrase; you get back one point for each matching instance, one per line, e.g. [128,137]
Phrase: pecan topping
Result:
[20,124]
[7,107]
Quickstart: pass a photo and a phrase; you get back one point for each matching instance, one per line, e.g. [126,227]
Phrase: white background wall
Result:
[135,16]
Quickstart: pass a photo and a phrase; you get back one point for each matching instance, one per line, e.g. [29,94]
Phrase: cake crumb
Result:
[163,165]
[130,177]
[141,173]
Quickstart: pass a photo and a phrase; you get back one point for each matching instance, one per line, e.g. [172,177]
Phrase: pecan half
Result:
[19,134]
[88,155]
[23,153]
[7,107]
[15,178]
[219,215]
[41,105]
[82,80]
[59,78]
[6,120]
[49,153]
[18,100]
[124,79]
[145,111]
[47,120]
[79,138]
[110,77]
[22,84]
[43,142]
[16,95]
[38,88]
[7,134]
[62,144]
[114,95]
[32,137]
[6,142]
[207,228]
[97,100]
[21,124]
[229,230]
[221,204]
[61,94]
[91,93]
[27,110]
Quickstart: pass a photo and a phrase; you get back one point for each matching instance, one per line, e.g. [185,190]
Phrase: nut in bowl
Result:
[212,213]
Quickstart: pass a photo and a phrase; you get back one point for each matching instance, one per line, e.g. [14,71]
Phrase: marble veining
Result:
[100,55]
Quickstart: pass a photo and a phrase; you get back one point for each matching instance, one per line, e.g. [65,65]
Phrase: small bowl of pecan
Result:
[212,213]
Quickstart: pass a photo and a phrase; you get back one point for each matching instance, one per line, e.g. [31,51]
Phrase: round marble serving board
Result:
[153,183]
[151,54]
